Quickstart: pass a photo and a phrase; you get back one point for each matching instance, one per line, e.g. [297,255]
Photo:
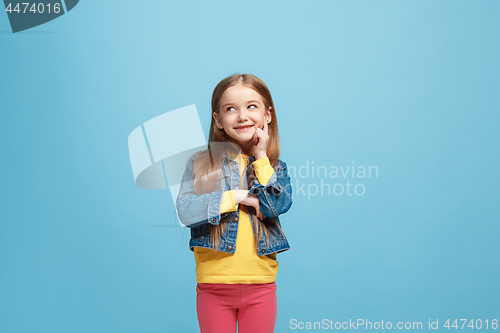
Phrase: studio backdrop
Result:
[388,115]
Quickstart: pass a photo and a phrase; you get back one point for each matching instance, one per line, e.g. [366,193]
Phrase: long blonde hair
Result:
[209,160]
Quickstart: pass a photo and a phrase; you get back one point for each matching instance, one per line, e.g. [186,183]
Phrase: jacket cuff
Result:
[271,185]
[214,207]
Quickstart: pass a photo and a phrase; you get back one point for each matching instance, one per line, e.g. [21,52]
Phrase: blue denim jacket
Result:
[196,211]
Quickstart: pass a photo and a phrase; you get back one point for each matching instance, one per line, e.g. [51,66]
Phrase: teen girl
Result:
[230,197]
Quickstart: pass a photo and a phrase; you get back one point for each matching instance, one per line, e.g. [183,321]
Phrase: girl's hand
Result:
[241,196]
[260,140]
[254,202]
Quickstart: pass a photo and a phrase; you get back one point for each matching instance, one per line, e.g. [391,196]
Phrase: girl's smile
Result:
[244,128]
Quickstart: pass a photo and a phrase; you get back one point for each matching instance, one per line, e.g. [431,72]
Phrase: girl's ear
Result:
[217,122]
[269,114]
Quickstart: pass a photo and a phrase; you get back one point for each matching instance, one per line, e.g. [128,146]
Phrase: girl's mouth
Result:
[243,128]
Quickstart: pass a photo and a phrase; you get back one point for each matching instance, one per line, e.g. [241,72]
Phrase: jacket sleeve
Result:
[195,210]
[276,196]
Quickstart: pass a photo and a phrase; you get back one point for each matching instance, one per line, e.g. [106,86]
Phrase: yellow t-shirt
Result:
[245,265]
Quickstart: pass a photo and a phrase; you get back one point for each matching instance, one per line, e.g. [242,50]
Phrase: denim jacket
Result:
[197,211]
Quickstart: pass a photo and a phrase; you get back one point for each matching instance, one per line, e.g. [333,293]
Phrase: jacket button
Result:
[279,187]
[235,219]
[213,220]
[262,251]
[229,247]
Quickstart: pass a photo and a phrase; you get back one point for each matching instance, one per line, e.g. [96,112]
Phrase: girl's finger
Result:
[256,134]
[257,209]
[260,133]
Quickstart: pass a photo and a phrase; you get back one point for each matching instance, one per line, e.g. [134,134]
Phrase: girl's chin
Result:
[246,136]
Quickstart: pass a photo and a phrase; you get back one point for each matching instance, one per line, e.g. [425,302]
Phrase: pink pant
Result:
[220,306]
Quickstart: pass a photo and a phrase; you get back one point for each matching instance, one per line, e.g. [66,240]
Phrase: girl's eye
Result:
[232,107]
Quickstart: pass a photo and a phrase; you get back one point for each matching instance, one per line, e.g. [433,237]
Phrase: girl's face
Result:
[241,112]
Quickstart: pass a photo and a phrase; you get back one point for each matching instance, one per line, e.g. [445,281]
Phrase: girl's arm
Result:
[275,195]
[195,210]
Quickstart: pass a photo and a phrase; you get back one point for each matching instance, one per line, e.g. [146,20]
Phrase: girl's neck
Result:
[247,150]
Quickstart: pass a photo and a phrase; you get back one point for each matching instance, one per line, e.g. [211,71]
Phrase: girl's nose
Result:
[242,115]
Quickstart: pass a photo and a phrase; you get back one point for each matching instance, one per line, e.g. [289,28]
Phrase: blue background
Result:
[408,86]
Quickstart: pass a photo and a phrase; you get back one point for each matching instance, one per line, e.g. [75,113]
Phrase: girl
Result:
[230,197]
